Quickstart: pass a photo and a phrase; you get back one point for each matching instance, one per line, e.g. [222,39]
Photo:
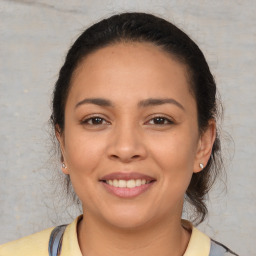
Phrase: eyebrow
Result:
[144,103]
[155,102]
[96,101]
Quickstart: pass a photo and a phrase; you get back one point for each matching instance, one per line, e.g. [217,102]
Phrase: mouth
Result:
[127,185]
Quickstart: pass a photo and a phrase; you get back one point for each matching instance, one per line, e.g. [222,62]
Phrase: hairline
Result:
[126,41]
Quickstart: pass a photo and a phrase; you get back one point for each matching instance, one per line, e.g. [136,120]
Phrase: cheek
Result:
[84,156]
[175,155]
[174,152]
[83,151]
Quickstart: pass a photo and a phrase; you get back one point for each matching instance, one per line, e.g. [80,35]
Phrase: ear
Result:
[60,137]
[205,145]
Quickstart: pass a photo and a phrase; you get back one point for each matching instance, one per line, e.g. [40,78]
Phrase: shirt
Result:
[37,244]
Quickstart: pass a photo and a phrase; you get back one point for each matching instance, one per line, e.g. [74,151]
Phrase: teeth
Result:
[131,184]
[138,183]
[122,184]
[115,183]
[127,183]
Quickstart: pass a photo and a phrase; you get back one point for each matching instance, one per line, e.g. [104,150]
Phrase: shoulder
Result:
[219,249]
[36,244]
[201,244]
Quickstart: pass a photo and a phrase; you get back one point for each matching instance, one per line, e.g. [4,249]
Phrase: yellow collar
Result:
[199,243]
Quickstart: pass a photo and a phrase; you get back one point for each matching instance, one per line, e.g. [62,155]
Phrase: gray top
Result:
[218,249]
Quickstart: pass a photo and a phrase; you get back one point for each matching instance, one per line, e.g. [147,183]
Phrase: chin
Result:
[128,223]
[128,218]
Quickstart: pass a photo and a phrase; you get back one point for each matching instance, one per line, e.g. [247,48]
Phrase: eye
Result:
[96,120]
[160,120]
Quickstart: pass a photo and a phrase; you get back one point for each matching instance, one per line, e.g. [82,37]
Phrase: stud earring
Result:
[201,166]
[64,166]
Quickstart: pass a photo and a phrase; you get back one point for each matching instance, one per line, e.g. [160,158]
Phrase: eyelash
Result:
[86,121]
[162,118]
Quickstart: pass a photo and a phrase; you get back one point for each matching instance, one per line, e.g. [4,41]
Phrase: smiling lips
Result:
[127,185]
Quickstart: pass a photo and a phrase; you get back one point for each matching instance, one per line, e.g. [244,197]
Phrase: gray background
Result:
[35,36]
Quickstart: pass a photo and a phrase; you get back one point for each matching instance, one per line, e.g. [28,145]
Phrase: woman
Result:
[134,111]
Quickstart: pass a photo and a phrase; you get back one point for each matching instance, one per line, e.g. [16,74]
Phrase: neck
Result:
[161,238]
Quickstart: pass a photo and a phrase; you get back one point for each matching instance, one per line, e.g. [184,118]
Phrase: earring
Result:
[201,166]
[64,166]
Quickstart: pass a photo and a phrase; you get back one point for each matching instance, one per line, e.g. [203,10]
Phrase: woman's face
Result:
[131,119]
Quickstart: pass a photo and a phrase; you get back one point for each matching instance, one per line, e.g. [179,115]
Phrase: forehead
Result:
[130,70]
[131,53]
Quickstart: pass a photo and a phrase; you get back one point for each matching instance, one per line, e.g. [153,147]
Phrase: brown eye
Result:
[159,120]
[95,121]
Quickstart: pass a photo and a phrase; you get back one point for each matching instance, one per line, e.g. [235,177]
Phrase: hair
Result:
[142,27]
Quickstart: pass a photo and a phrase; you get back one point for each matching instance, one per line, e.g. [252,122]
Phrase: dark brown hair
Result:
[142,27]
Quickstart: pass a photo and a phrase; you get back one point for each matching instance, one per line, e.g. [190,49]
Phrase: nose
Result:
[126,145]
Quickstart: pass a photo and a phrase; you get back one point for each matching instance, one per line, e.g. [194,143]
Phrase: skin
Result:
[129,139]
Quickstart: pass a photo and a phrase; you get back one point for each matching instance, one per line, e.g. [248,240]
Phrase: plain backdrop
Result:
[34,38]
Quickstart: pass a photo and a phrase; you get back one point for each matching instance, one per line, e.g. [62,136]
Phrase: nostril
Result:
[114,156]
